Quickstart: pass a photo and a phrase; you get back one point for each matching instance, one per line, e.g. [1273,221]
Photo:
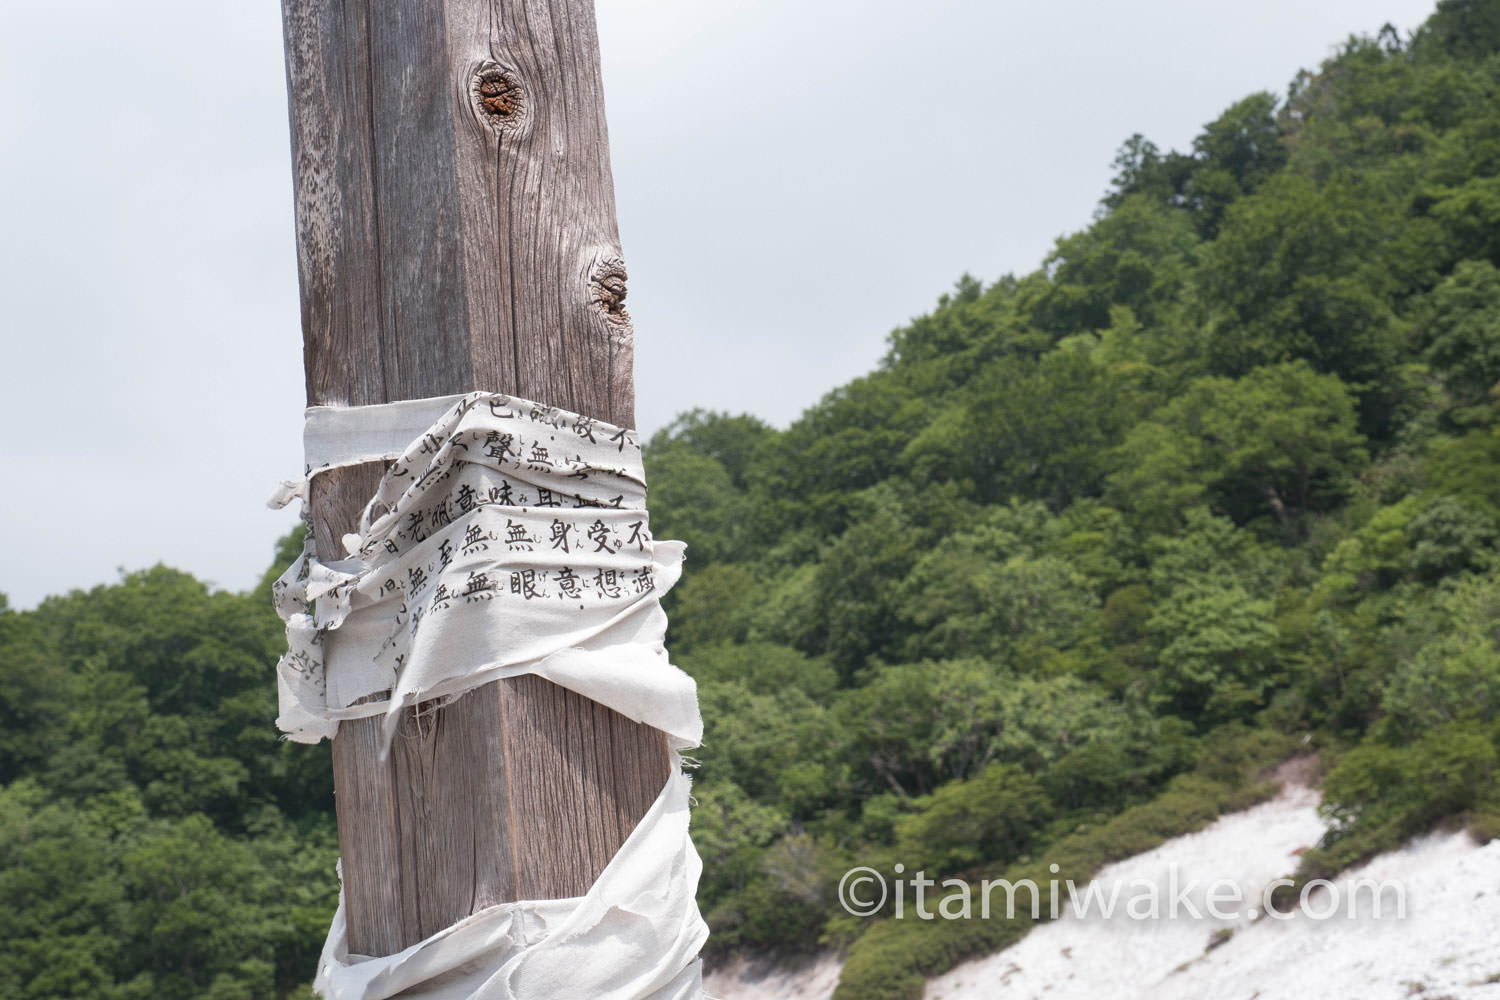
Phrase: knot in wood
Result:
[497,97]
[607,282]
[500,96]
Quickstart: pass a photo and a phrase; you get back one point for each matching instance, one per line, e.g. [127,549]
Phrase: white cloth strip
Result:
[505,538]
[635,936]
[336,436]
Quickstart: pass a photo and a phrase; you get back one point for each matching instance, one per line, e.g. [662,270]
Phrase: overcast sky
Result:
[795,178]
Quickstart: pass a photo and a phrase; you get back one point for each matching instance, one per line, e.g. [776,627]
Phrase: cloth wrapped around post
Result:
[505,538]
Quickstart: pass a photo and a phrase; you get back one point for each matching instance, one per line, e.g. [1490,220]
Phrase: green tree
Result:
[1290,278]
[693,499]
[1039,431]
[1455,675]
[854,601]
[1235,154]
[762,667]
[1462,333]
[1141,168]
[1139,256]
[993,817]
[34,691]
[1217,653]
[711,605]
[988,592]
[1279,442]
[173,677]
[1465,29]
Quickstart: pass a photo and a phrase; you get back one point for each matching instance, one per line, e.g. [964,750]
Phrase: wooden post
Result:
[456,231]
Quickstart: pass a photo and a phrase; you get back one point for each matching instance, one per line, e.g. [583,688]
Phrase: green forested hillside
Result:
[1219,482]
[157,840]
[1092,547]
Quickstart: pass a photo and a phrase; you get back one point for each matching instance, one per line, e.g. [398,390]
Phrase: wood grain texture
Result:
[455,231]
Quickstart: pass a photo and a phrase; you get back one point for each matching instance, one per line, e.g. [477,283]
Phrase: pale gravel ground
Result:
[742,980]
[1445,947]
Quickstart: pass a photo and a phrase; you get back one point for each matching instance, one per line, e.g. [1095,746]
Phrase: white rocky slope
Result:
[741,980]
[1446,946]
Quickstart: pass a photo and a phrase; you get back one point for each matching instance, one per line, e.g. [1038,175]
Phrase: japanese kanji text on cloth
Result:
[505,538]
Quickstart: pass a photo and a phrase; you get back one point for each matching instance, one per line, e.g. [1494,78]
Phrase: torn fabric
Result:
[505,538]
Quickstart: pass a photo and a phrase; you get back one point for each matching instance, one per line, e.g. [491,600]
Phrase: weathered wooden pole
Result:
[456,231]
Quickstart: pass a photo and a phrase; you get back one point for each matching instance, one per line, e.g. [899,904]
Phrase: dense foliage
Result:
[1218,483]
[1089,549]
[156,839]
